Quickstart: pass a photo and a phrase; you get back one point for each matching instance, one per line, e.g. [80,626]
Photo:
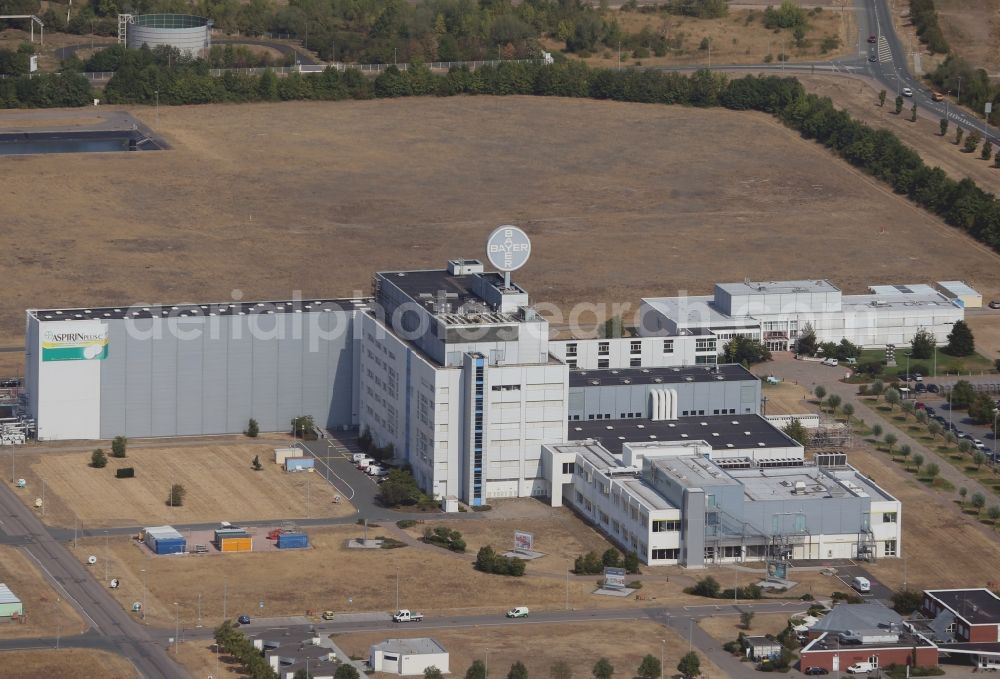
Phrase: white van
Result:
[861,584]
[357,457]
[861,668]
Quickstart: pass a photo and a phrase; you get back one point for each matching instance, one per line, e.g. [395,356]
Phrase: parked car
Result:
[907,92]
[872,58]
[920,405]
[963,434]
[243,619]
[995,304]
[978,444]
[937,96]
[921,388]
[861,668]
[861,584]
[933,388]
[930,410]
[872,39]
[815,670]
[830,361]
[917,377]
[518,612]
[327,615]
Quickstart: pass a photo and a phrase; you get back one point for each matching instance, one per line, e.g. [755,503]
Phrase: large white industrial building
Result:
[456,371]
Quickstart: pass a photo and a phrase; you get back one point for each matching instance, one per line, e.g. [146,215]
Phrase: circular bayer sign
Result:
[508,248]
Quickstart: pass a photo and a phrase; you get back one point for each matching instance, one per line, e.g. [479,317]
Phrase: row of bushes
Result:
[709,587]
[925,18]
[592,564]
[488,561]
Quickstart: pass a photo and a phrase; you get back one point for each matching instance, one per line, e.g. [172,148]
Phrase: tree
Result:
[964,447]
[253,429]
[611,558]
[906,601]
[650,667]
[806,344]
[890,441]
[631,562]
[746,351]
[820,392]
[908,407]
[996,160]
[944,126]
[921,417]
[795,430]
[833,402]
[913,113]
[904,452]
[346,671]
[518,671]
[931,471]
[603,669]
[934,428]
[960,340]
[118,446]
[978,501]
[978,459]
[918,460]
[177,493]
[303,427]
[690,665]
[881,98]
[433,672]
[899,104]
[971,142]
[255,463]
[961,395]
[477,670]
[746,619]
[987,150]
[994,514]
[848,411]
[876,430]
[706,587]
[981,408]
[959,132]
[892,397]
[98,459]
[962,492]
[561,670]
[876,388]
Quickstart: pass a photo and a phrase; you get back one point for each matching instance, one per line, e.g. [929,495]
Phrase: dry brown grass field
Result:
[787,398]
[538,646]
[219,480]
[46,611]
[972,29]
[621,200]
[66,662]
[932,524]
[727,627]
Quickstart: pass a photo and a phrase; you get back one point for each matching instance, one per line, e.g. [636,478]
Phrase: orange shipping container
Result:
[237,545]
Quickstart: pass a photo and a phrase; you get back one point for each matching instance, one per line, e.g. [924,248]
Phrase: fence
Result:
[100,76]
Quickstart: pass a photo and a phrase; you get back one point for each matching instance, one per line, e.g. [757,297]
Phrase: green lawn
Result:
[946,364]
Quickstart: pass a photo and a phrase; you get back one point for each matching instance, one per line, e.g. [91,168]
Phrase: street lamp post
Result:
[107,559]
[486,665]
[157,93]
[663,642]
[145,585]
[397,588]
[995,414]
[177,625]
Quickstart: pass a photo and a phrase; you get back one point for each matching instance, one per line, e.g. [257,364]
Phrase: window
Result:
[707,359]
[732,552]
[635,347]
[571,363]
[664,526]
[568,467]
[506,387]
[668,346]
[635,362]
[603,363]
[666,554]
[890,548]
[707,344]
[603,347]
[889,517]
[571,349]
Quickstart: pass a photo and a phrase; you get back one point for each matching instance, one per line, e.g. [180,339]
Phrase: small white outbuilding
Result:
[408,657]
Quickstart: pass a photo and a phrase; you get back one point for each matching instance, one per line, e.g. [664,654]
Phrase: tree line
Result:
[976,87]
[880,153]
[924,15]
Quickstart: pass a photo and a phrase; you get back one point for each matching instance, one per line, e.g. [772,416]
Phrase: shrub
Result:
[406,523]
[906,601]
[118,446]
[253,429]
[707,587]
[488,561]
[98,459]
[177,494]
[588,564]
[442,536]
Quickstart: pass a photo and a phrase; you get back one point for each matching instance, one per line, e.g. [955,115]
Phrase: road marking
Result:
[65,592]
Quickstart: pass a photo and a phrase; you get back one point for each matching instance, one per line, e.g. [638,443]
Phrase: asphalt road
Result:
[109,620]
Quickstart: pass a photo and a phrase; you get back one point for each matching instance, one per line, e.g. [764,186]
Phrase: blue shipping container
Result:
[293,541]
[171,546]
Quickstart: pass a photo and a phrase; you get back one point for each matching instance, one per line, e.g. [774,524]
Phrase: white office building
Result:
[720,489]
[776,312]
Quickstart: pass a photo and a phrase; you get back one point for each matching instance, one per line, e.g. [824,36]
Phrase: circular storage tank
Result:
[190,34]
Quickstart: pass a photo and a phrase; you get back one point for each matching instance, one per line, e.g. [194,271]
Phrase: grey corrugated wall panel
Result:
[265,374]
[164,384]
[113,384]
[239,392]
[289,402]
[342,352]
[190,391]
[138,376]
[317,382]
[214,371]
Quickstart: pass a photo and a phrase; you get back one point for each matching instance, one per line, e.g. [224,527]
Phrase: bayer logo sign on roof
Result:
[508,248]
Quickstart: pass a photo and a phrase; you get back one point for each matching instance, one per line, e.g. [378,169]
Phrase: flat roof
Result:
[416,646]
[774,483]
[691,373]
[936,299]
[202,310]
[696,309]
[645,494]
[459,291]
[722,432]
[977,606]
[163,532]
[7,596]
[831,642]
[907,289]
[777,287]
[958,287]
[693,471]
